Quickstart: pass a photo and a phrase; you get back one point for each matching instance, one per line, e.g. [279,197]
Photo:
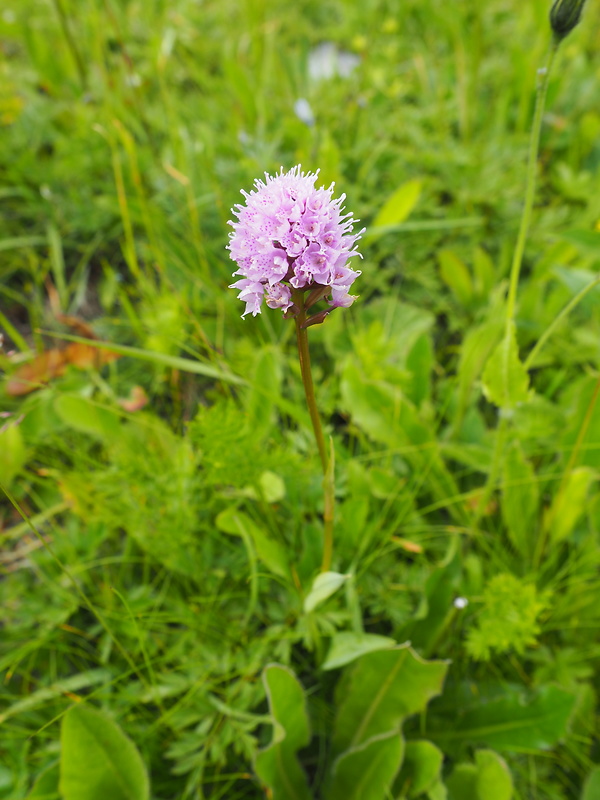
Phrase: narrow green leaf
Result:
[366,772]
[485,274]
[324,585]
[175,362]
[277,765]
[98,761]
[591,787]
[271,552]
[505,379]
[380,690]
[570,503]
[87,416]
[399,205]
[46,784]
[456,276]
[347,647]
[520,498]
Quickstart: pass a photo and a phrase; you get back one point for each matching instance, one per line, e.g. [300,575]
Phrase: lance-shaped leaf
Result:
[509,720]
[366,772]
[277,765]
[421,769]
[97,760]
[505,379]
[380,690]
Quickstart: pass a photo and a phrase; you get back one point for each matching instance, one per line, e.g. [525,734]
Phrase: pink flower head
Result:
[288,233]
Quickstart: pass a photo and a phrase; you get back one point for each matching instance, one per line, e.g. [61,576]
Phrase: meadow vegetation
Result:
[162,500]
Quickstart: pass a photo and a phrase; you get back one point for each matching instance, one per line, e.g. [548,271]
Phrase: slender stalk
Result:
[309,389]
[326,461]
[534,143]
[517,261]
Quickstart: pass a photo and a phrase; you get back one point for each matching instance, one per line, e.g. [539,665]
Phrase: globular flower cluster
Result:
[290,234]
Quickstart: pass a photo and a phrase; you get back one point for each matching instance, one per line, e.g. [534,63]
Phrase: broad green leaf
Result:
[494,781]
[380,690]
[87,416]
[438,792]
[570,503]
[97,760]
[485,274]
[520,497]
[271,552]
[591,787]
[264,391]
[511,721]
[347,646]
[419,362]
[475,351]
[277,765]
[505,379]
[456,276]
[14,453]
[462,783]
[399,205]
[488,779]
[366,772]
[421,769]
[324,585]
[46,785]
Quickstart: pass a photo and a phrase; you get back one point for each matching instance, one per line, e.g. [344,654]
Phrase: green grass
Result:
[128,130]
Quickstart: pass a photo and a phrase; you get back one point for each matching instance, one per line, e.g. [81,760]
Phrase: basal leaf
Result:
[509,721]
[505,379]
[277,765]
[366,772]
[46,784]
[380,691]
[347,647]
[421,769]
[98,760]
[520,499]
[494,781]
[591,787]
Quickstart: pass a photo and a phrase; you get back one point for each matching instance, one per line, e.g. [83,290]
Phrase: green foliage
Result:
[277,765]
[98,760]
[508,619]
[373,699]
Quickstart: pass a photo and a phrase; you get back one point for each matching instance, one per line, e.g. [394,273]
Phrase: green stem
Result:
[326,462]
[534,144]
[517,261]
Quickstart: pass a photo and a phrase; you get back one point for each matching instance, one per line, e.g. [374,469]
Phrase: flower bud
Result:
[564,16]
